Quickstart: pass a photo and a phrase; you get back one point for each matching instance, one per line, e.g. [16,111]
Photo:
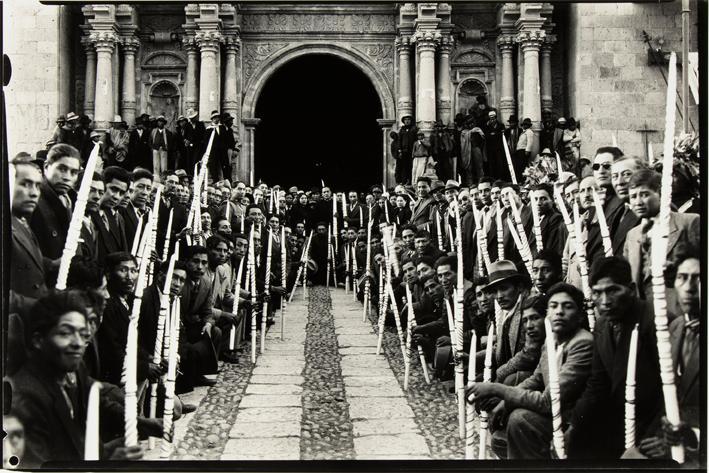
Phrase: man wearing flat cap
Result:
[161,141]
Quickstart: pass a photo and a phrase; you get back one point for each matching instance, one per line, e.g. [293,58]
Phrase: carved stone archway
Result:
[281,54]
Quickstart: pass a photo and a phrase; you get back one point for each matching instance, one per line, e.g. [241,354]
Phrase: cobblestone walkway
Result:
[321,393]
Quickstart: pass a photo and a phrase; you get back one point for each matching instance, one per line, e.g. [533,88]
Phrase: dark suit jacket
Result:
[179,221]
[50,222]
[554,234]
[27,265]
[109,240]
[112,336]
[130,223]
[140,152]
[625,221]
[148,321]
[422,213]
[50,433]
[687,381]
[684,230]
[196,310]
[574,370]
[599,413]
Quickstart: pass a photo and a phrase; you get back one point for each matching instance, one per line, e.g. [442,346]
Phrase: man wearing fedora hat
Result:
[67,133]
[116,144]
[509,287]
[442,151]
[218,156]
[199,132]
[512,132]
[494,151]
[139,143]
[161,141]
[407,137]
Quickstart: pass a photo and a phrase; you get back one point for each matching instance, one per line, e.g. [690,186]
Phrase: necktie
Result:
[645,246]
[616,331]
[104,218]
[690,343]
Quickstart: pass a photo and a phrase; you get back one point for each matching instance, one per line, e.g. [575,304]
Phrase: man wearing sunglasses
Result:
[602,164]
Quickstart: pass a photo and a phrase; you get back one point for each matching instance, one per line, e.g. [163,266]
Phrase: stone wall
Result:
[612,89]
[30,39]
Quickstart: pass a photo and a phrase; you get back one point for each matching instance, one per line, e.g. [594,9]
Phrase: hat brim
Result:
[511,277]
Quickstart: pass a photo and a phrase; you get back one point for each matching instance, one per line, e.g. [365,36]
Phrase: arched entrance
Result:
[318,117]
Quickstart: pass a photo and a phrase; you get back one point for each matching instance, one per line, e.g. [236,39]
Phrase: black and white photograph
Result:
[354,235]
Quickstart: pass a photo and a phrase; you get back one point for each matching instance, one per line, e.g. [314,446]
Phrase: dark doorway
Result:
[318,121]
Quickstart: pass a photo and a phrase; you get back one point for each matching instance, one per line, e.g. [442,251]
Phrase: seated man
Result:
[422,243]
[546,270]
[426,334]
[50,392]
[479,303]
[529,431]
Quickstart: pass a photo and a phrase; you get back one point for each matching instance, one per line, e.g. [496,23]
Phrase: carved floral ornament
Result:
[103,39]
[130,44]
[254,54]
[209,39]
[531,38]
[318,22]
[427,38]
[382,55]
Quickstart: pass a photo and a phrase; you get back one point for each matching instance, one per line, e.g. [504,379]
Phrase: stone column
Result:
[506,43]
[116,71]
[191,92]
[426,41]
[545,71]
[530,43]
[230,99]
[65,61]
[405,102]
[247,157]
[387,160]
[208,42]
[89,76]
[130,47]
[443,99]
[103,101]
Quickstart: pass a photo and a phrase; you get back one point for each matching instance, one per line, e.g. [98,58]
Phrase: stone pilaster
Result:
[116,73]
[530,43]
[130,46]
[388,163]
[208,42]
[105,42]
[508,106]
[246,158]
[545,71]
[230,99]
[426,94]
[443,81]
[191,91]
[89,76]
[405,103]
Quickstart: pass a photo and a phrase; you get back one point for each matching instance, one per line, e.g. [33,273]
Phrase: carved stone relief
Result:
[382,55]
[308,23]
[255,53]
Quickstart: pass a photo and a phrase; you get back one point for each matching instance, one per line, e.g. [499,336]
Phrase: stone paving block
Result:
[365,361]
[356,341]
[362,371]
[379,407]
[269,414]
[268,359]
[358,350]
[278,370]
[282,448]
[367,456]
[265,430]
[386,390]
[271,400]
[400,425]
[372,380]
[286,347]
[274,389]
[354,330]
[403,444]
[276,379]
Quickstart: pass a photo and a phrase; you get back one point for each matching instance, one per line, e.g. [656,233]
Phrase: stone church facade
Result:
[428,60]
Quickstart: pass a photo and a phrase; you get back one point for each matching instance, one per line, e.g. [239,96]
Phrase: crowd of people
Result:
[59,341]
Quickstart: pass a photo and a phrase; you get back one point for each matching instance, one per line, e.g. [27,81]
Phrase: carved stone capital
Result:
[426,39]
[506,42]
[208,40]
[446,44]
[531,39]
[549,41]
[403,43]
[189,44]
[88,45]
[232,43]
[105,41]
[130,44]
